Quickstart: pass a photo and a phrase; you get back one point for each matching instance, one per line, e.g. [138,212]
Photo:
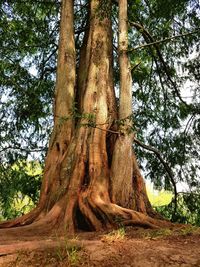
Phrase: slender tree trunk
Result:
[128,187]
[121,174]
[63,102]
[91,178]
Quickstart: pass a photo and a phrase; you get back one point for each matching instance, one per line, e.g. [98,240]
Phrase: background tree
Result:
[155,103]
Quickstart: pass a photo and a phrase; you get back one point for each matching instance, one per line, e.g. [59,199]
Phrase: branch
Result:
[166,166]
[44,62]
[150,41]
[23,149]
[135,66]
[164,40]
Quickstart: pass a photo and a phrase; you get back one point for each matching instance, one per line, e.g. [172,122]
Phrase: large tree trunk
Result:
[91,178]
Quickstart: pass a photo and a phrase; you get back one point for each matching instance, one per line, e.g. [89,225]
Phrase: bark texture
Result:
[91,177]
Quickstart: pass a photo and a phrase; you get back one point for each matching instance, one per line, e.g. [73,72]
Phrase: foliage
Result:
[19,188]
[166,93]
[27,73]
[188,209]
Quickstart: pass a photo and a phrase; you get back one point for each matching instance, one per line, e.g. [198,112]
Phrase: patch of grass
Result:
[118,234]
[157,233]
[188,230]
[68,250]
[73,256]
[160,233]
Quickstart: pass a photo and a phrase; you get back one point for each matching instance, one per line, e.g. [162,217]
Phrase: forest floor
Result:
[127,247]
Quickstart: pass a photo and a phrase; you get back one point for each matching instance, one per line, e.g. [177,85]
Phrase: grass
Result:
[180,231]
[118,234]
[68,250]
[156,233]
[188,230]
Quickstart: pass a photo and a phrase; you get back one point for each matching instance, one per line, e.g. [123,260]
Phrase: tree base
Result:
[91,215]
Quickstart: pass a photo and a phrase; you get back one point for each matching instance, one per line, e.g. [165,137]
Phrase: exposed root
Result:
[23,220]
[41,228]
[97,213]
[101,214]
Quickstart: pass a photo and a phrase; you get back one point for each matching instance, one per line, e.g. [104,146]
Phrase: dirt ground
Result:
[123,247]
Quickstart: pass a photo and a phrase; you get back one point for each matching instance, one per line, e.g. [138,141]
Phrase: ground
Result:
[128,247]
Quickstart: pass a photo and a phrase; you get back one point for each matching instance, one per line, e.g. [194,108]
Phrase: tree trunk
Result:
[122,174]
[91,177]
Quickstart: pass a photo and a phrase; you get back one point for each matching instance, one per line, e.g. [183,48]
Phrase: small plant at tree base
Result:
[66,249]
[115,235]
[73,256]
